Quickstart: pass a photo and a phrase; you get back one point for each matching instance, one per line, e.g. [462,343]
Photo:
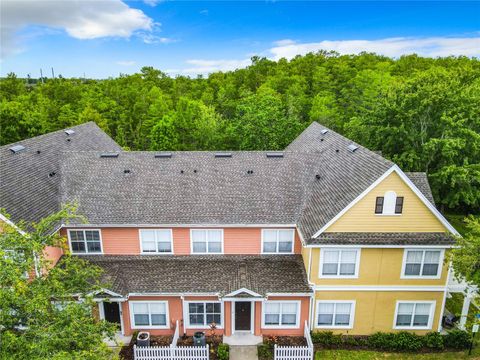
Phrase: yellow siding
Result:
[416,217]
[375,311]
[377,267]
[306,257]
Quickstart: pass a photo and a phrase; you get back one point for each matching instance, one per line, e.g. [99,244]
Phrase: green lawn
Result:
[373,355]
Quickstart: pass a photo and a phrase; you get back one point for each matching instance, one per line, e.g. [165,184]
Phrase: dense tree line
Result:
[422,113]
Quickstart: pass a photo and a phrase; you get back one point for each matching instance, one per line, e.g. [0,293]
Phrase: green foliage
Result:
[401,341]
[433,340]
[457,339]
[326,338]
[223,352]
[265,352]
[40,318]
[422,113]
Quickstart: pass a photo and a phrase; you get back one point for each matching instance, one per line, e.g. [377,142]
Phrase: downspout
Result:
[183,313]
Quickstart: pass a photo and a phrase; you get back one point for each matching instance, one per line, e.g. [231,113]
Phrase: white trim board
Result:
[213,226]
[356,246]
[10,223]
[420,288]
[245,290]
[412,186]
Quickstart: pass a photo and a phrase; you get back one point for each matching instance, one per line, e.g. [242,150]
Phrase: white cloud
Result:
[392,47]
[80,19]
[201,66]
[204,12]
[149,38]
[126,62]
[152,2]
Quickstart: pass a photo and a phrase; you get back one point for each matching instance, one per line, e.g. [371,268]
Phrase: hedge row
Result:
[401,341]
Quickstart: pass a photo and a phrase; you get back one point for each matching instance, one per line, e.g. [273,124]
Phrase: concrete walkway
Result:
[243,352]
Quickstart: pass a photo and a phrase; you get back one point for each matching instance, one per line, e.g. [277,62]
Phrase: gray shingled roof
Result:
[354,238]
[220,274]
[27,192]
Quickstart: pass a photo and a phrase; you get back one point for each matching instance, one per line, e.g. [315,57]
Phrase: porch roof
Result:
[218,274]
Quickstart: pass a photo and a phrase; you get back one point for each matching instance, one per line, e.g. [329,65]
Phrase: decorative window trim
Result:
[207,326]
[297,318]
[393,205]
[357,263]
[420,276]
[156,245]
[431,315]
[277,241]
[132,315]
[86,248]
[206,253]
[352,314]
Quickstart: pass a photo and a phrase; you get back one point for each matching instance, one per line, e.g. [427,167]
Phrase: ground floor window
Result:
[281,314]
[335,314]
[152,314]
[202,314]
[414,315]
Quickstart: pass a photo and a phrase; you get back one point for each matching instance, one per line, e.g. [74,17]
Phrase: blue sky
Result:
[103,38]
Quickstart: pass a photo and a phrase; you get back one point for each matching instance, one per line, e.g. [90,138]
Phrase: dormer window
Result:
[389,204]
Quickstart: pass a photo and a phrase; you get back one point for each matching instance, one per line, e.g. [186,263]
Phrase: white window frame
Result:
[277,241]
[431,315]
[132,317]
[206,253]
[204,302]
[383,213]
[156,242]
[420,276]
[86,248]
[357,263]
[352,314]
[297,319]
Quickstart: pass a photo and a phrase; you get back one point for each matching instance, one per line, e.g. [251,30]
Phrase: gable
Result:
[415,217]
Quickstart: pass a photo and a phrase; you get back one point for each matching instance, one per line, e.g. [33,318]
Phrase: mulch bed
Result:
[285,340]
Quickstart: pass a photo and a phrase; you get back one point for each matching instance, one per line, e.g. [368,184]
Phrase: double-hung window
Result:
[156,241]
[281,314]
[202,314]
[277,241]
[335,314]
[339,263]
[414,315]
[153,314]
[207,241]
[422,263]
[85,241]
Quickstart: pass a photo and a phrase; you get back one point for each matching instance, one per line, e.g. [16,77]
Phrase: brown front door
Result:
[242,315]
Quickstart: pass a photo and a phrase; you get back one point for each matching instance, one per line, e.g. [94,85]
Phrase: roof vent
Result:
[324,131]
[223,155]
[249,172]
[276,154]
[109,155]
[126,171]
[17,148]
[39,151]
[317,176]
[164,155]
[52,174]
[69,132]
[352,148]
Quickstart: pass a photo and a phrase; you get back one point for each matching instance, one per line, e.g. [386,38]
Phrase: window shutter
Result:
[399,205]
[379,205]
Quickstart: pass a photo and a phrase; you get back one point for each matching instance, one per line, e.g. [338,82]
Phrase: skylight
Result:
[352,148]
[163,155]
[109,155]
[324,131]
[275,154]
[69,132]
[17,148]
[223,155]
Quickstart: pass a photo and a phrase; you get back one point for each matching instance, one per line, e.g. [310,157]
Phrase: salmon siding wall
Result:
[304,316]
[126,241]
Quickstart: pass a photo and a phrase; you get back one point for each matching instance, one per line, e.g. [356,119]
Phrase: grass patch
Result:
[374,355]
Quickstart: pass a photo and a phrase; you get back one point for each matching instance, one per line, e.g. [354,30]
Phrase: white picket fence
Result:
[296,352]
[171,353]
[176,335]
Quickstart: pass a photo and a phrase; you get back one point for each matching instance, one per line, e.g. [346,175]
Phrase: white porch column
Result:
[466,305]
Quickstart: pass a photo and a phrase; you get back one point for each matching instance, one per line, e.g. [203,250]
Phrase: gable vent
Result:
[17,148]
[324,131]
[223,155]
[69,132]
[164,155]
[352,148]
[109,155]
[276,154]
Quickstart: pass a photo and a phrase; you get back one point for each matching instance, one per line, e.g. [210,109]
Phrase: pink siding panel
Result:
[120,241]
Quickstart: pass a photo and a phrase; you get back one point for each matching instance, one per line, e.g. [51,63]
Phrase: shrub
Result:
[380,340]
[433,340]
[350,341]
[326,338]
[405,341]
[457,339]
[223,352]
[265,352]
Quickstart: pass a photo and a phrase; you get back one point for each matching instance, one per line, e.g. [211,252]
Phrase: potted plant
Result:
[143,338]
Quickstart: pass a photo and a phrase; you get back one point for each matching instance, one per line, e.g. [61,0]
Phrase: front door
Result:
[243,315]
[112,312]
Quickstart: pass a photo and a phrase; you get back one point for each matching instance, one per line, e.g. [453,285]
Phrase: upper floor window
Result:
[85,241]
[207,241]
[281,314]
[152,314]
[156,241]
[202,314]
[339,263]
[422,263]
[389,204]
[277,241]
[335,314]
[414,315]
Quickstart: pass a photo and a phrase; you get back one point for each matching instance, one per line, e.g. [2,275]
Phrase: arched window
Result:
[389,204]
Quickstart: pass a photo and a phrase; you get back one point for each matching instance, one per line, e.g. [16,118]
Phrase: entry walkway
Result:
[243,353]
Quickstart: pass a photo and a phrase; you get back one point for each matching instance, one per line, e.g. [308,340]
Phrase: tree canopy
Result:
[422,113]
